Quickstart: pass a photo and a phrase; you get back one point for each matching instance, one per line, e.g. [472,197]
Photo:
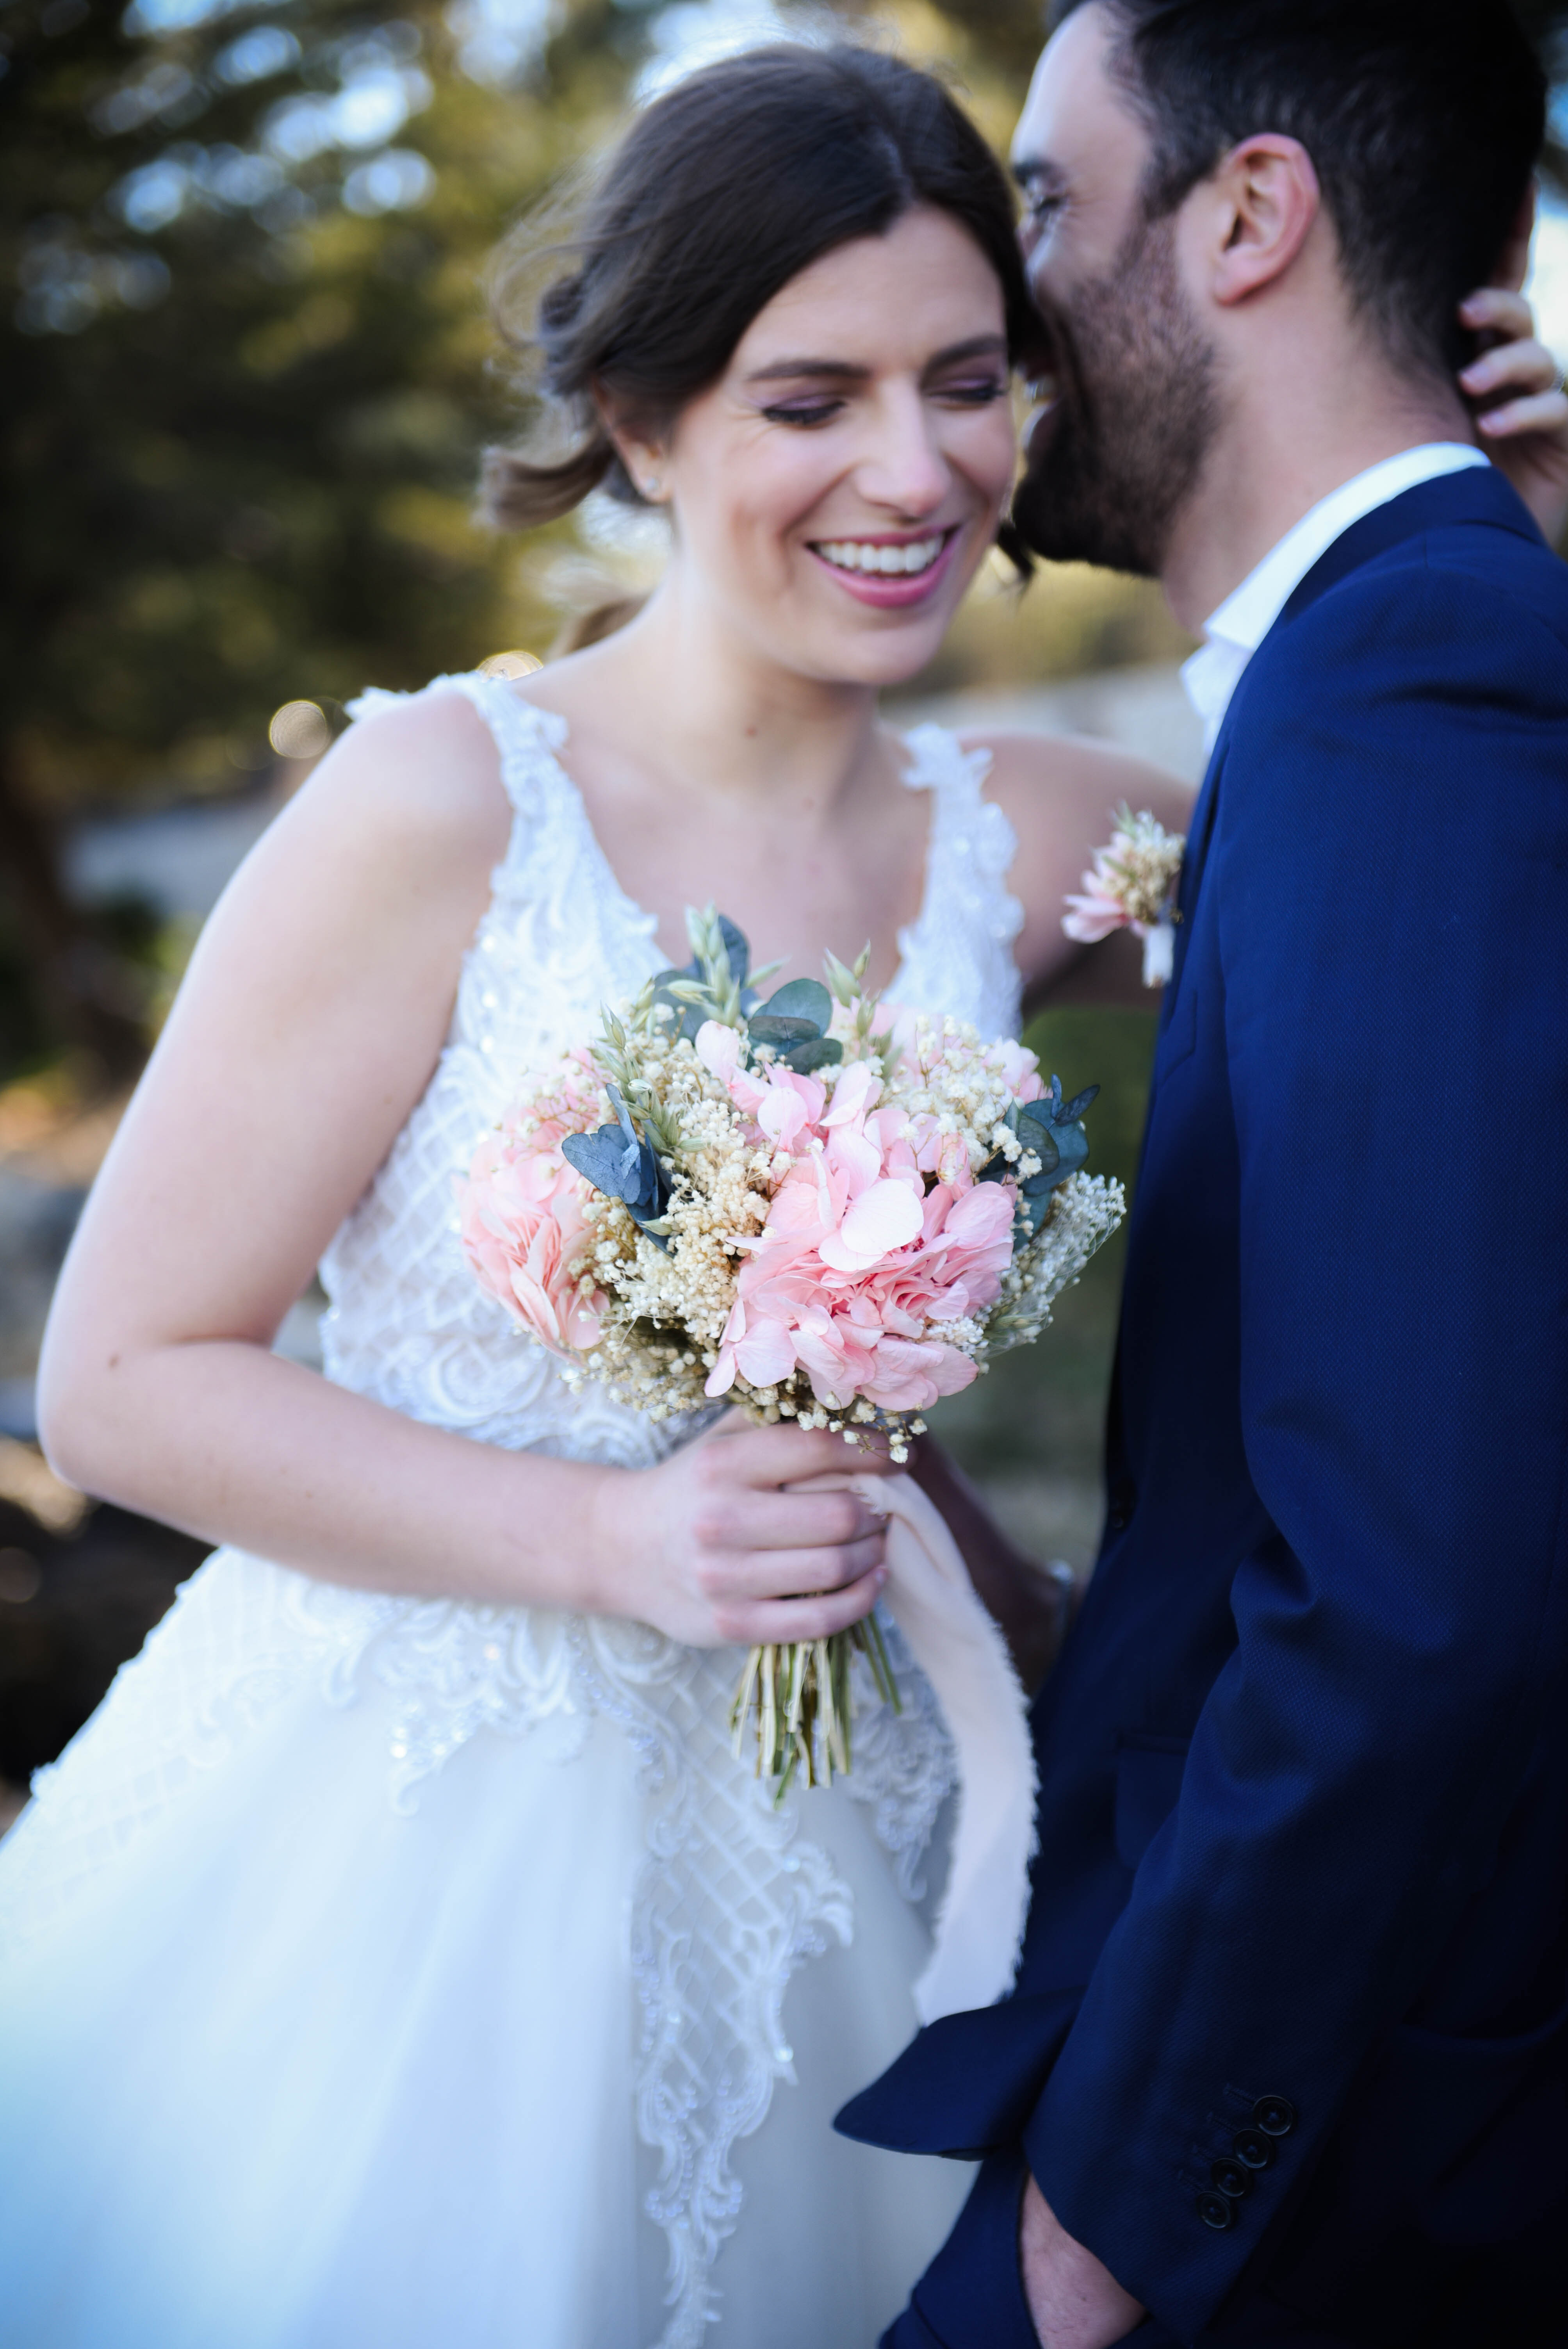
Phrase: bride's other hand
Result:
[710,1548]
[1523,423]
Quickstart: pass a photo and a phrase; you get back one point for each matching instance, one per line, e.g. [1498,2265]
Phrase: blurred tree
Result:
[242,378]
[243,387]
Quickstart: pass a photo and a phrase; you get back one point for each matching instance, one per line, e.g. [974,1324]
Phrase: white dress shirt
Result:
[1233,633]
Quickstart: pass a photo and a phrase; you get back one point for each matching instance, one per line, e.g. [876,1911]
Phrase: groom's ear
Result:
[1254,213]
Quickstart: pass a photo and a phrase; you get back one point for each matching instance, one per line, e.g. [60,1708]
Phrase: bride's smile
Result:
[833,493]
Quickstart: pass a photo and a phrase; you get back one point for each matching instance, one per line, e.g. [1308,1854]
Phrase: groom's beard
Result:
[1136,414]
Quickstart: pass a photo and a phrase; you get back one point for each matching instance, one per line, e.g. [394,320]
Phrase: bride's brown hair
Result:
[721,192]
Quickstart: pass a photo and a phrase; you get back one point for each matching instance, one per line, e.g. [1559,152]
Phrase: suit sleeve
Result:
[1390,858]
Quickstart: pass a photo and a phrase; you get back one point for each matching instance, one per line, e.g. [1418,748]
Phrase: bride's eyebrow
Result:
[777,370]
[848,372]
[978,346]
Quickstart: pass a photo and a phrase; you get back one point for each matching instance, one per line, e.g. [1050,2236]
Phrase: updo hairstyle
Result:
[721,192]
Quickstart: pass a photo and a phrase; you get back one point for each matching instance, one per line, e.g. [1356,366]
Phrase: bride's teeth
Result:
[855,554]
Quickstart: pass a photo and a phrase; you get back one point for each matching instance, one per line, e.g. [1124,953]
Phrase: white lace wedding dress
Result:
[429,1975]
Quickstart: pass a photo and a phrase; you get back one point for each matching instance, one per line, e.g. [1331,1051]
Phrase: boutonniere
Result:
[1132,887]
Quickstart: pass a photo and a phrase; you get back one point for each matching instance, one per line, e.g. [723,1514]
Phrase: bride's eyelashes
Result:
[806,414]
[981,392]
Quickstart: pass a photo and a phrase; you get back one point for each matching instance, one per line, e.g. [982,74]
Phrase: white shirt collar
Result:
[1233,633]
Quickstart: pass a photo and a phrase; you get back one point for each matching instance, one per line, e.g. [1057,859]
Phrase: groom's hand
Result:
[1075,2302]
[1522,412]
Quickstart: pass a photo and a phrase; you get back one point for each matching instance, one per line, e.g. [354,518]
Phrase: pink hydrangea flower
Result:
[858,1263]
[524,1227]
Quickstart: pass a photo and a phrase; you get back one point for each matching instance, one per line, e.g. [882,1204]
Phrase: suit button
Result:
[1232,2178]
[1216,2210]
[1122,1499]
[1276,2116]
[1252,2148]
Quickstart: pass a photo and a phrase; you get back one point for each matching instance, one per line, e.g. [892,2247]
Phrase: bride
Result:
[400,1955]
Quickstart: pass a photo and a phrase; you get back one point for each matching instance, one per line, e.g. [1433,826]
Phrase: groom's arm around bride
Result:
[1284,2059]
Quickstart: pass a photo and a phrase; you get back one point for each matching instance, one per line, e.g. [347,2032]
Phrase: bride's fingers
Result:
[772,1521]
[1525,365]
[747,1623]
[1546,412]
[776,1574]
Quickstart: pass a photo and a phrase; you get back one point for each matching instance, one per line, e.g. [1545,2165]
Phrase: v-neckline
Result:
[552,731]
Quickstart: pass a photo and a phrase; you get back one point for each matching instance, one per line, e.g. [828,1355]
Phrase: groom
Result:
[1285,2059]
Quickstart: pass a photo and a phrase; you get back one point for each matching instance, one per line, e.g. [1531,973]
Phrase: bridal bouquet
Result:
[811,1207]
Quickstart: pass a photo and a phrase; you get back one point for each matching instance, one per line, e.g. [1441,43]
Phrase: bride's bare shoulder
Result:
[1060,793]
[407,800]
[1062,789]
[418,771]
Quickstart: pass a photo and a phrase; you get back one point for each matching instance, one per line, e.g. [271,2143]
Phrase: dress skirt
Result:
[286,2065]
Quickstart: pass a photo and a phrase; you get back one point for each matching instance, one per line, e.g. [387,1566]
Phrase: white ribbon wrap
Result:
[963,1654]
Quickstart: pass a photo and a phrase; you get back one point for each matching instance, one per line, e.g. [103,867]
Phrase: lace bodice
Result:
[407,1323]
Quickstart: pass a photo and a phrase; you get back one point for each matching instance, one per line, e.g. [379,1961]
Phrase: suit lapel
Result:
[1469,496]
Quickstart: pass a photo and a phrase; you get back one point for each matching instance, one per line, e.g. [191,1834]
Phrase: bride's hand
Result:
[710,1549]
[1524,423]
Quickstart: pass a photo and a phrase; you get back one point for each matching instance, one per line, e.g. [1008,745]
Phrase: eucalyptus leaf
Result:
[766,1029]
[1072,1111]
[738,948]
[737,952]
[816,1052]
[802,999]
[1072,1145]
[1035,1135]
[1036,1209]
[604,1159]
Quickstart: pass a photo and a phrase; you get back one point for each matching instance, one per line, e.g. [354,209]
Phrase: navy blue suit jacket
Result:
[1290,2015]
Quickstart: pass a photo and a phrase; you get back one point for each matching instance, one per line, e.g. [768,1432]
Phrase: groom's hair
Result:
[1423,119]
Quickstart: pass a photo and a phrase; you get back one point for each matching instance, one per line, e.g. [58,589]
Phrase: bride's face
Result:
[834,492]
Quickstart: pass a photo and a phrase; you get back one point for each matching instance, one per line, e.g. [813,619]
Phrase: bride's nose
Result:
[902,467]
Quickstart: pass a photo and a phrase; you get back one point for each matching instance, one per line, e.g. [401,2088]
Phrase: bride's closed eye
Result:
[979,392]
[804,412]
[975,391]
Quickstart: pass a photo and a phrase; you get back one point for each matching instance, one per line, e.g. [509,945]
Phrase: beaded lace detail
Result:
[730,1895]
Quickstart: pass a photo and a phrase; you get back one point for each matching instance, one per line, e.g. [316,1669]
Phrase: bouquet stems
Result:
[801,1693]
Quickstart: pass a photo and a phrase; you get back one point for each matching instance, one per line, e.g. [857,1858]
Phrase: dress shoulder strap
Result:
[528,740]
[959,950]
[939,763]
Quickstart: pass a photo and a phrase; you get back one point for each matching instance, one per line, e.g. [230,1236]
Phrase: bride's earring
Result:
[653,489]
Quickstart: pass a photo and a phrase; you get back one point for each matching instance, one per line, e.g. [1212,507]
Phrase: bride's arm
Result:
[1061,795]
[315,1008]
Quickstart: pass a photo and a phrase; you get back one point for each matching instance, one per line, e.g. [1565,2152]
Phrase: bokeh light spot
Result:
[299,730]
[511,665]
